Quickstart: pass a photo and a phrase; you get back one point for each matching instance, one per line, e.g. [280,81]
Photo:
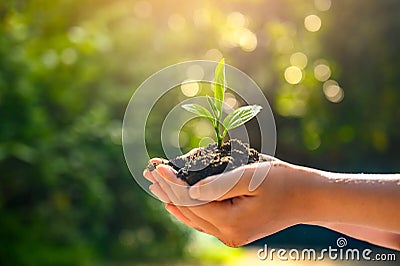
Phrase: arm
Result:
[365,200]
[371,235]
[289,195]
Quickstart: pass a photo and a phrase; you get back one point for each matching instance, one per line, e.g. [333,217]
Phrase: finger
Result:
[165,187]
[158,161]
[199,222]
[179,187]
[214,212]
[260,173]
[230,184]
[150,167]
[147,174]
[168,175]
[159,193]
[178,215]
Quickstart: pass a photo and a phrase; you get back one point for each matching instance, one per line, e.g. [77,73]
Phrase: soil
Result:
[211,160]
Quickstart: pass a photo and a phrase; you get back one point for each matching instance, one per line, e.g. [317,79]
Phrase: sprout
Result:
[236,118]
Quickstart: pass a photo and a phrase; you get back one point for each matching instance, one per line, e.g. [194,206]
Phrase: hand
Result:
[229,210]
[228,207]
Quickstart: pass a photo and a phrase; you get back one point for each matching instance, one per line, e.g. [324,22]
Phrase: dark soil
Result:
[211,160]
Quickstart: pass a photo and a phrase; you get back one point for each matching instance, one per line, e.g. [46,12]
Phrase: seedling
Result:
[234,119]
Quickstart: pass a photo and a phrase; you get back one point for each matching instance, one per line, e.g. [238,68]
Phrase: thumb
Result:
[230,184]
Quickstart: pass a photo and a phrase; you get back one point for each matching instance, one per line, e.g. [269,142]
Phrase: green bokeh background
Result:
[68,69]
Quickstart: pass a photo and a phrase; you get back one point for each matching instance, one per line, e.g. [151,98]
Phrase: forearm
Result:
[359,199]
[368,234]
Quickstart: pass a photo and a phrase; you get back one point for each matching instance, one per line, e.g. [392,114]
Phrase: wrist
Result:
[361,199]
[304,192]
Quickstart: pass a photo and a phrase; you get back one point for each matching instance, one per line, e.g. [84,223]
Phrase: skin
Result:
[358,205]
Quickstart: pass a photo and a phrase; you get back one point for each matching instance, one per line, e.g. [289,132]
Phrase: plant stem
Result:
[219,140]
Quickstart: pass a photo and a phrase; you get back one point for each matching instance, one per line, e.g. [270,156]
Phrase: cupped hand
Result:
[238,206]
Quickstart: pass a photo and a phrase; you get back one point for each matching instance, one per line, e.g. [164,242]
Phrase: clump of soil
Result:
[211,160]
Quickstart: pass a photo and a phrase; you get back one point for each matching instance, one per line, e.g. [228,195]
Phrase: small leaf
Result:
[240,116]
[211,102]
[219,86]
[198,110]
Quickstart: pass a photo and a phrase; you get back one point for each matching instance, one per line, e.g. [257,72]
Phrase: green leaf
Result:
[240,116]
[219,86]
[214,109]
[198,110]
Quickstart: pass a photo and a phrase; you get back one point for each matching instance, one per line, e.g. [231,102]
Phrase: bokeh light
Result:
[299,60]
[247,40]
[291,106]
[322,5]
[205,141]
[76,34]
[201,18]
[236,20]
[322,72]
[69,56]
[311,136]
[176,22]
[195,72]
[190,88]
[332,91]
[240,37]
[203,127]
[312,23]
[293,75]
[50,58]
[231,101]
[238,34]
[213,54]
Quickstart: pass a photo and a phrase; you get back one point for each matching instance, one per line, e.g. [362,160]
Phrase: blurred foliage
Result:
[68,69]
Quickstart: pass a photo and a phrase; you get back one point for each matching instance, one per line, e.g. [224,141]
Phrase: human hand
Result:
[224,206]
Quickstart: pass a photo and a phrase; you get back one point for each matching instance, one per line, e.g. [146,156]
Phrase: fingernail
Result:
[194,192]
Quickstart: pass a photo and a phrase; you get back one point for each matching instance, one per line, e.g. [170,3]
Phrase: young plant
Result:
[236,118]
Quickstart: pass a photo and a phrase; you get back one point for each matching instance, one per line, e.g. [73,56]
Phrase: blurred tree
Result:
[66,197]
[362,37]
